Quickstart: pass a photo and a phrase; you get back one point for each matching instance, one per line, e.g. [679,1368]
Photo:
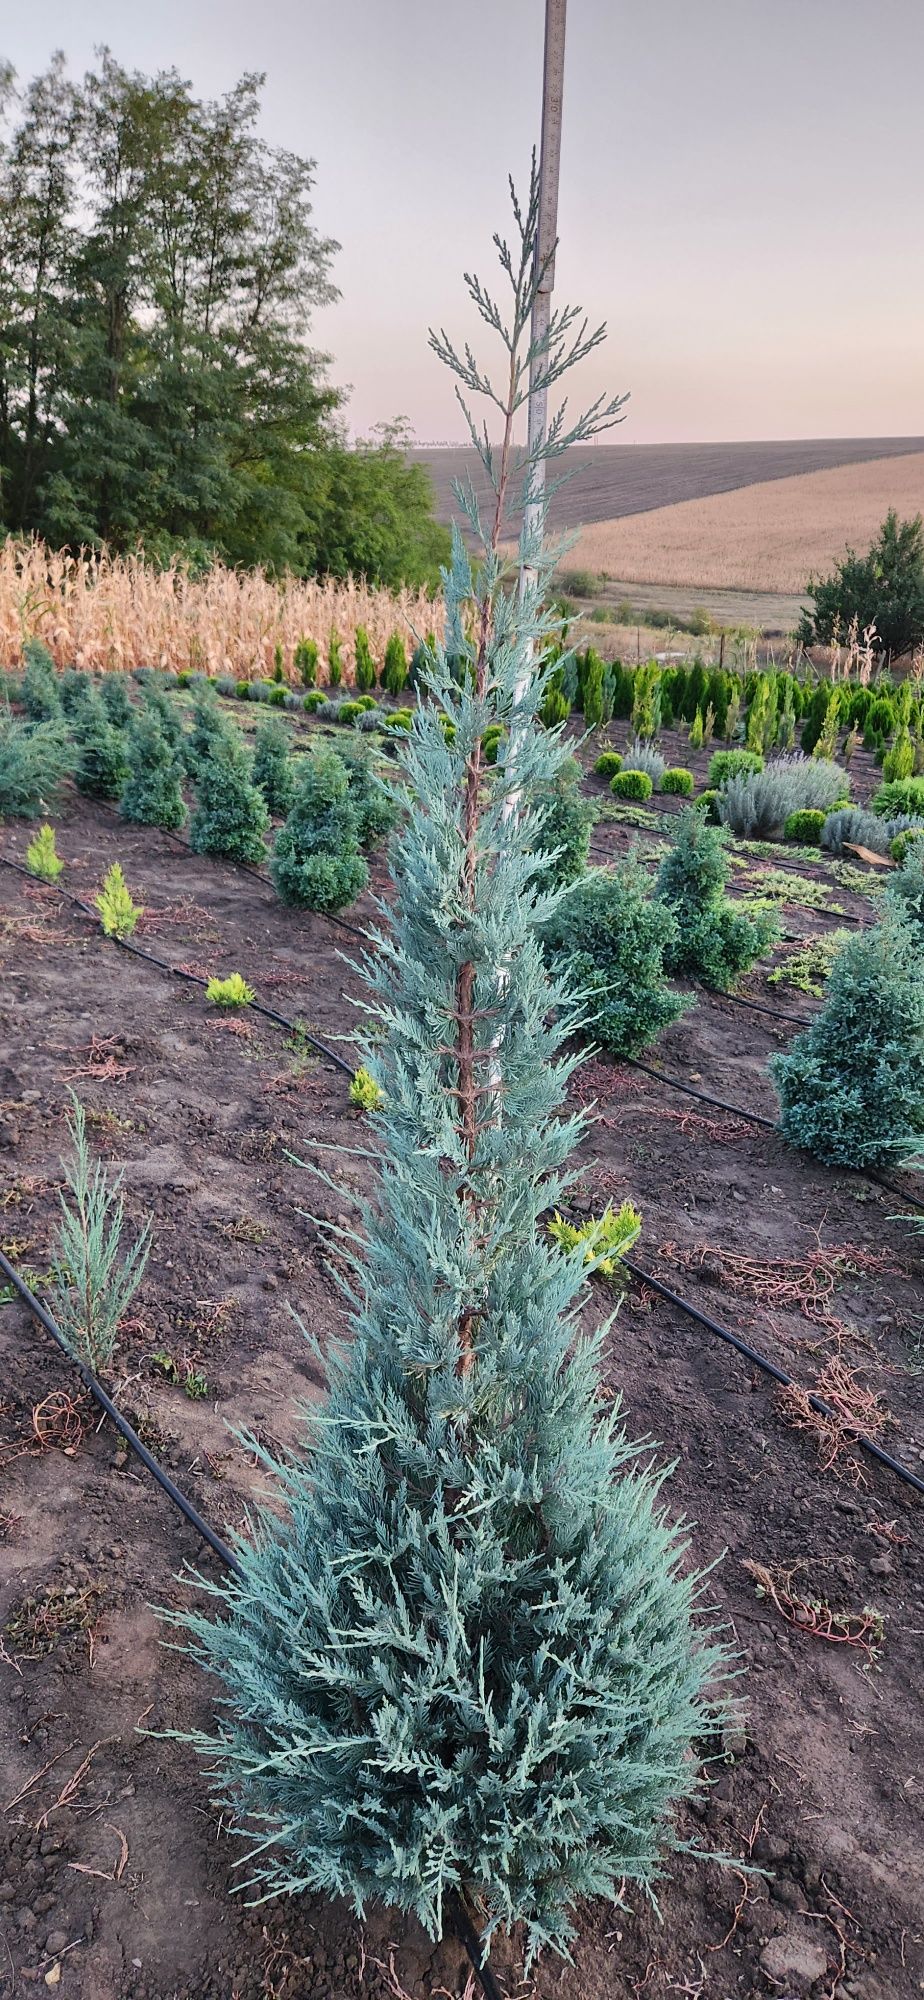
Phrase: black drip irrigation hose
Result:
[674,1083]
[769,1367]
[756,1118]
[124,1428]
[758,1007]
[191,978]
[246,868]
[466,1931]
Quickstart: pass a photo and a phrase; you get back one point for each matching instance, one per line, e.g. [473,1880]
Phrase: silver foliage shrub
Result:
[757,804]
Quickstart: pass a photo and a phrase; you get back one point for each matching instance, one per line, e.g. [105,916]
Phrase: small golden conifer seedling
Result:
[118,914]
[231,992]
[42,857]
[365,1092]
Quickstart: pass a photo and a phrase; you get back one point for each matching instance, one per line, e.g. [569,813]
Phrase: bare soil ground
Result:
[613,480]
[116,1868]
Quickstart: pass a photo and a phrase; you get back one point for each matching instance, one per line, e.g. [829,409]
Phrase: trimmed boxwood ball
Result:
[631,785]
[608,763]
[708,805]
[315,699]
[805,826]
[316,860]
[725,764]
[903,842]
[676,779]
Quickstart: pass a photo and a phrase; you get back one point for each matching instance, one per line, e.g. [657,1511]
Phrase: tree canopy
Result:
[159,272]
[883,589]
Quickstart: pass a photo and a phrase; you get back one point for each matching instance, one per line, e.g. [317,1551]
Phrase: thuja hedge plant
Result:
[463,1655]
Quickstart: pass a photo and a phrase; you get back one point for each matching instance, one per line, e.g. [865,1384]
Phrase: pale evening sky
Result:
[740,192]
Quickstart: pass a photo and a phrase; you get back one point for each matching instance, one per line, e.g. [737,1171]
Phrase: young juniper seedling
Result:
[118,914]
[231,992]
[463,1655]
[365,1092]
[94,1276]
[42,857]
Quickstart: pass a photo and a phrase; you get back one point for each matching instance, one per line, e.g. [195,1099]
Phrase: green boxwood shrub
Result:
[608,763]
[713,941]
[400,719]
[315,699]
[805,826]
[708,805]
[901,846]
[725,764]
[614,937]
[851,1087]
[676,779]
[316,860]
[631,785]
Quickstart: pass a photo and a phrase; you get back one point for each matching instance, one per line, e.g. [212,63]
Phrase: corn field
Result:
[108,612]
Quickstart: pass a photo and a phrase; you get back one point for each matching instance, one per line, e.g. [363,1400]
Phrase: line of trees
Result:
[159,270]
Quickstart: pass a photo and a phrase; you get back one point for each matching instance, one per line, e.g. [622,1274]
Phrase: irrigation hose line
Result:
[465,1929]
[191,978]
[122,1425]
[283,1021]
[755,1118]
[463,1925]
[769,1367]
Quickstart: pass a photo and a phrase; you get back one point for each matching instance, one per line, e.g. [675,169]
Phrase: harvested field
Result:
[770,537]
[619,479]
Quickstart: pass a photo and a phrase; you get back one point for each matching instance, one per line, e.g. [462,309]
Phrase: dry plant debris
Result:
[813,1615]
[854,1409]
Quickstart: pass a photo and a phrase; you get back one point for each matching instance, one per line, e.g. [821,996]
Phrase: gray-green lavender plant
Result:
[644,757]
[95,1275]
[757,804]
[464,1657]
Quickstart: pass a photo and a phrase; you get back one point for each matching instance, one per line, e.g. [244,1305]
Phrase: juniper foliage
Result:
[95,1273]
[613,935]
[152,795]
[102,766]
[463,1657]
[316,859]
[40,694]
[34,761]
[230,818]
[272,766]
[851,1087]
[713,941]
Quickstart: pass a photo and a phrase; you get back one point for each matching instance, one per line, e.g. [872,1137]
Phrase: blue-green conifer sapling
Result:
[464,1657]
[316,859]
[101,766]
[851,1087]
[712,940]
[230,817]
[273,774]
[153,793]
